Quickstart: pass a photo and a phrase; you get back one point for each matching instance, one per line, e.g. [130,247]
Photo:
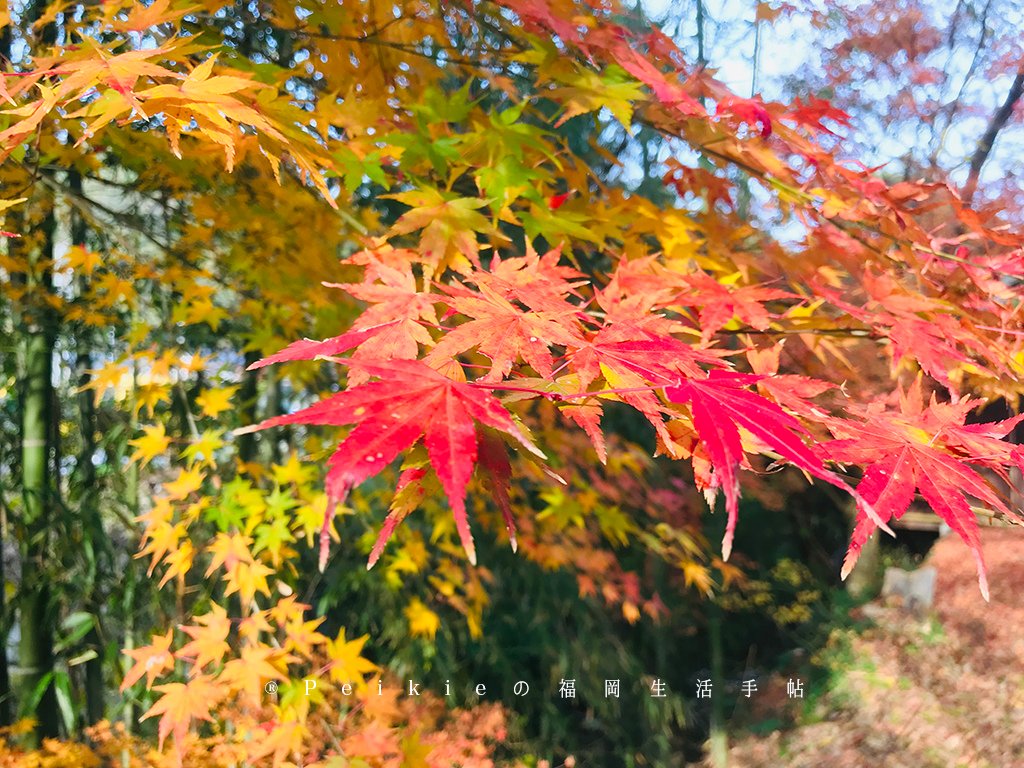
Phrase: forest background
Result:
[797,219]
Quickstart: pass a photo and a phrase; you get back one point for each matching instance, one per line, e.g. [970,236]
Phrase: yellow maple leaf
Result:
[380,705]
[153,442]
[178,562]
[309,519]
[149,395]
[161,539]
[5,204]
[137,334]
[111,376]
[114,289]
[292,471]
[630,612]
[250,469]
[696,575]
[82,260]
[247,579]
[287,738]
[449,227]
[22,727]
[255,666]
[200,312]
[159,514]
[143,17]
[415,752]
[588,91]
[347,662]
[162,365]
[201,451]
[95,319]
[301,636]
[409,558]
[287,609]
[195,363]
[186,482]
[423,622]
[251,627]
[195,509]
[215,401]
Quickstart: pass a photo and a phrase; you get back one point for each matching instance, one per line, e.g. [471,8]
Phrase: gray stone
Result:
[915,588]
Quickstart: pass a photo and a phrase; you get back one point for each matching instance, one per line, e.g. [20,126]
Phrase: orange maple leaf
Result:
[150,660]
[182,703]
[209,639]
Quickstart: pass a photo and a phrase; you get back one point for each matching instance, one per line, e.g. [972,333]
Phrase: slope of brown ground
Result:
[946,690]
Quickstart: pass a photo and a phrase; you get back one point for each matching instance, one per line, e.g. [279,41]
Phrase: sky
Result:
[790,46]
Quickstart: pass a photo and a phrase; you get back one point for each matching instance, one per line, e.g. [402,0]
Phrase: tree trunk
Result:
[247,405]
[865,579]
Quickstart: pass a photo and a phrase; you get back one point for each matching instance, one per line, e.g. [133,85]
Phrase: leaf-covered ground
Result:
[941,690]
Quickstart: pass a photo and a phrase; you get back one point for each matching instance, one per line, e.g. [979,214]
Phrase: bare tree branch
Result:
[995,125]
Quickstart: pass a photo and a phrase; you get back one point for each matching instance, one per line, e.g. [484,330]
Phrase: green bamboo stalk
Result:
[37,610]
[89,499]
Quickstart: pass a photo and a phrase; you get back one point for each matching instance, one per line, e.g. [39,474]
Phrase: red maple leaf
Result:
[409,402]
[634,363]
[539,13]
[720,406]
[750,111]
[658,360]
[669,93]
[557,201]
[810,113]
[494,460]
[921,328]
[538,282]
[310,349]
[721,303]
[401,312]
[930,450]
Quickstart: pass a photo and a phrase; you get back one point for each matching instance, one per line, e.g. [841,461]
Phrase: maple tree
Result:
[417,202]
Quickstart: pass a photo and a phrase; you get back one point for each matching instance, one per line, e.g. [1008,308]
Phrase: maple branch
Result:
[131,186]
[558,396]
[994,514]
[403,47]
[845,226]
[190,419]
[82,202]
[848,228]
[863,333]
[995,125]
